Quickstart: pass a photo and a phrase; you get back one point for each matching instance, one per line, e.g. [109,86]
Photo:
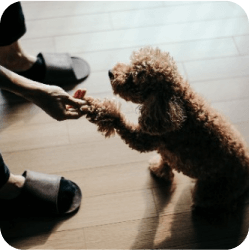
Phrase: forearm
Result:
[19,85]
[52,99]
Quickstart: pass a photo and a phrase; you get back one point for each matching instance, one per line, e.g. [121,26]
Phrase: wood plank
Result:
[236,111]
[67,25]
[90,154]
[97,210]
[201,11]
[122,235]
[242,43]
[181,52]
[121,177]
[53,9]
[113,208]
[15,115]
[214,69]
[196,50]
[79,43]
[224,89]
[72,239]
[175,231]
[33,136]
[179,3]
[36,45]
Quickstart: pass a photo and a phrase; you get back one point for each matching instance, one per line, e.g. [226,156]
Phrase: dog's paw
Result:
[159,172]
[106,114]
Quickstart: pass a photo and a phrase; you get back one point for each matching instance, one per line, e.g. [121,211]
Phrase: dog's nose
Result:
[110,74]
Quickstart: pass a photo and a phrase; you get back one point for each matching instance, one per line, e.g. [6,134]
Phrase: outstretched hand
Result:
[52,99]
[58,103]
[80,94]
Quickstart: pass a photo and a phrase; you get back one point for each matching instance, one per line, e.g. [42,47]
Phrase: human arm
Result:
[52,99]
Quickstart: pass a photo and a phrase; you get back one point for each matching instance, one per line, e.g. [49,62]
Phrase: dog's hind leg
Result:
[216,200]
[161,169]
[220,193]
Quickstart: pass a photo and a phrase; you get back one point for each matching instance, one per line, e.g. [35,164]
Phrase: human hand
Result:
[80,94]
[58,103]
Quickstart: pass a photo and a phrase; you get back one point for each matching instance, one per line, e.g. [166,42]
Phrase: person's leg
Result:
[49,68]
[4,172]
[12,28]
[12,25]
[10,185]
[12,57]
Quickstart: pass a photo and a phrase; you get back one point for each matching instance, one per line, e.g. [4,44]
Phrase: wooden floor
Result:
[123,207]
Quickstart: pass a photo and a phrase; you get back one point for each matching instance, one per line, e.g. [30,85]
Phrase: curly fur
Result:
[98,113]
[191,136]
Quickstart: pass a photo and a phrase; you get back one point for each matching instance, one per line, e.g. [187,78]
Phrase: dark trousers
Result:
[12,27]
[4,172]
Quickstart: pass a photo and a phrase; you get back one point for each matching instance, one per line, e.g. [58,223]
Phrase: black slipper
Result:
[44,194]
[57,69]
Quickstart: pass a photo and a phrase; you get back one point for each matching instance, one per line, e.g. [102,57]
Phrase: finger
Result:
[73,114]
[71,109]
[78,104]
[80,93]
[89,99]
[74,102]
[84,91]
[77,93]
[84,109]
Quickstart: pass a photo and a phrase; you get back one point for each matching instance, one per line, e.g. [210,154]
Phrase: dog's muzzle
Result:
[111,76]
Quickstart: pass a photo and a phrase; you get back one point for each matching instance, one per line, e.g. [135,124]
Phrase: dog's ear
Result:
[161,114]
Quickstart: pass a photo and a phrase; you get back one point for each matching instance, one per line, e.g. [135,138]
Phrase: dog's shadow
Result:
[178,226]
[147,228]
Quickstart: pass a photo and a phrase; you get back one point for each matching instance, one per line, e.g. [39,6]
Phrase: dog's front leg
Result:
[135,137]
[104,113]
[107,116]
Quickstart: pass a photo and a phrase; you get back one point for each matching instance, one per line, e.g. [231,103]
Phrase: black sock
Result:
[36,72]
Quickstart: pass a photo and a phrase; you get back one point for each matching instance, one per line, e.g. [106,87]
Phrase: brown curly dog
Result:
[190,136]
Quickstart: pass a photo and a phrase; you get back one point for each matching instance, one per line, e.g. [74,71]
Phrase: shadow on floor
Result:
[15,231]
[181,228]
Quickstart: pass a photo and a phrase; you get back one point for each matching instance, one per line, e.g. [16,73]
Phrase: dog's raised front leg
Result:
[135,137]
[107,116]
[104,113]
